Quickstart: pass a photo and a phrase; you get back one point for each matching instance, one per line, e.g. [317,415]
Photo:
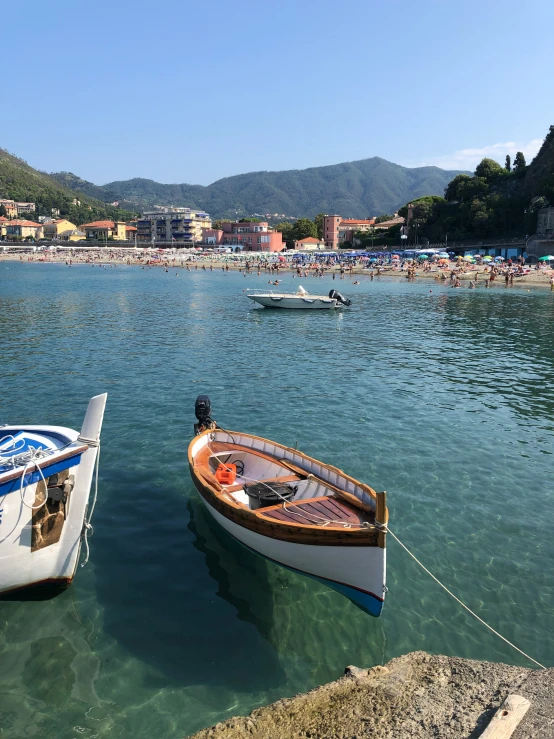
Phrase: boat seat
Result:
[322,509]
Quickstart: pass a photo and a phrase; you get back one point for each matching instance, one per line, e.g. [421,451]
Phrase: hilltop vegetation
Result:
[352,189]
[496,201]
[19,181]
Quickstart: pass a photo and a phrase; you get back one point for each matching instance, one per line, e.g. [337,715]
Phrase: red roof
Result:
[130,228]
[355,220]
[3,218]
[309,239]
[98,224]
[25,223]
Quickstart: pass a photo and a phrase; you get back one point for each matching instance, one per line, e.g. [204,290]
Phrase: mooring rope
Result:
[88,529]
[462,603]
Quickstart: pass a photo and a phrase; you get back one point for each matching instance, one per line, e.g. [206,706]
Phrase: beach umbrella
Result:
[547,258]
[469,258]
[443,255]
[487,258]
[499,259]
[423,256]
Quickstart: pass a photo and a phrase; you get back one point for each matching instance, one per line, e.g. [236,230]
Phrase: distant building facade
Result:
[252,236]
[104,230]
[23,230]
[177,225]
[309,243]
[57,229]
[14,208]
[337,230]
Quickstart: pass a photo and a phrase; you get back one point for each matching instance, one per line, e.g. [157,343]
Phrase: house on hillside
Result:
[104,230]
[23,230]
[338,230]
[10,207]
[3,221]
[387,224]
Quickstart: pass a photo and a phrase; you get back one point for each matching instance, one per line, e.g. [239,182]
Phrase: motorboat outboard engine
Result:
[202,411]
[335,295]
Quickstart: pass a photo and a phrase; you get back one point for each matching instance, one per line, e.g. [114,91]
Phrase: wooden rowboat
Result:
[303,514]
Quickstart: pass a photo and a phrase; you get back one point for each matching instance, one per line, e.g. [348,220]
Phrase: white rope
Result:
[88,530]
[461,603]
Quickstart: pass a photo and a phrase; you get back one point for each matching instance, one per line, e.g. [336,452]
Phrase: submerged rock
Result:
[418,696]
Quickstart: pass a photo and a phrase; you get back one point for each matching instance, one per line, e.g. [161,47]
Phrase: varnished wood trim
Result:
[298,533]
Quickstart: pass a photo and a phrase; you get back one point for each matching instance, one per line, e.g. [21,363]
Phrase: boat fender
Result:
[226,474]
[335,295]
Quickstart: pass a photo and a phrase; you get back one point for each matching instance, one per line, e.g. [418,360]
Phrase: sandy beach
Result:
[261,264]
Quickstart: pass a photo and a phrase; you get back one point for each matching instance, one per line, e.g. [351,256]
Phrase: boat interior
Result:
[271,483]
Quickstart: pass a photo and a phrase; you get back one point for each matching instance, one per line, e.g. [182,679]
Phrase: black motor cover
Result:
[335,295]
[202,408]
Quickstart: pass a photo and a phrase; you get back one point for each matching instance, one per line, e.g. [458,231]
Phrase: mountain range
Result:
[353,189]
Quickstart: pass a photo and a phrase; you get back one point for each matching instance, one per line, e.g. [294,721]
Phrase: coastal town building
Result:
[3,221]
[387,224]
[177,225]
[337,230]
[23,230]
[244,236]
[56,229]
[15,208]
[104,230]
[309,243]
[255,236]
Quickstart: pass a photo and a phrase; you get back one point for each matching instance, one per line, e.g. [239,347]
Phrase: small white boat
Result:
[300,300]
[303,514]
[46,474]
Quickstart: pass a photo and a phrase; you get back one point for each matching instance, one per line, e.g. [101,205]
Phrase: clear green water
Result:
[444,399]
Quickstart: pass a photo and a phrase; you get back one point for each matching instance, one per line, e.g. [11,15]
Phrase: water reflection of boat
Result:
[298,512]
[45,479]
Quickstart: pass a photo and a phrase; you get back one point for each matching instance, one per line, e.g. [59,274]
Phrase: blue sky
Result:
[179,91]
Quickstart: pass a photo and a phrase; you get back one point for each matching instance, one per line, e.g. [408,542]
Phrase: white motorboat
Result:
[46,474]
[300,300]
[303,514]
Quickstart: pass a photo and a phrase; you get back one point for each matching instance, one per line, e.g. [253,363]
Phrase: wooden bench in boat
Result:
[315,512]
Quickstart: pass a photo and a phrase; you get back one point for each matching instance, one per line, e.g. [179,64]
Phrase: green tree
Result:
[383,218]
[303,228]
[250,220]
[508,165]
[519,162]
[285,227]
[453,189]
[318,220]
[218,225]
[489,169]
[3,211]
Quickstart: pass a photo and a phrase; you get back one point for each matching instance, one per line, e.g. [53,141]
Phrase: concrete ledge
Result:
[418,696]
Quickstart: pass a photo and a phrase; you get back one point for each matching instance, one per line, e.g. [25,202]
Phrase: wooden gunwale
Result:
[299,533]
[46,462]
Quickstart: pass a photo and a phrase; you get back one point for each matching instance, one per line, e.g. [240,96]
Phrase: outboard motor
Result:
[335,295]
[202,411]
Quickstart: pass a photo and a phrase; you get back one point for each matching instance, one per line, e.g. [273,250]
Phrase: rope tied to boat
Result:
[88,529]
[451,594]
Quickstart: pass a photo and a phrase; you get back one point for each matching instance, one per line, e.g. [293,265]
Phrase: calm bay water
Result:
[442,398]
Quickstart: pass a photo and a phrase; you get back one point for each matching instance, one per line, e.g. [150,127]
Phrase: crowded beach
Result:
[470,271]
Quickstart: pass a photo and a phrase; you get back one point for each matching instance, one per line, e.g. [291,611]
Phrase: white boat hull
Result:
[22,564]
[293,302]
[357,572]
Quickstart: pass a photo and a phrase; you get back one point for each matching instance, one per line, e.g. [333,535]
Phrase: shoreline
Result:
[418,695]
[534,279]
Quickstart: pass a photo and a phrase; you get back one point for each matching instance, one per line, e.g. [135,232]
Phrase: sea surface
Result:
[443,397]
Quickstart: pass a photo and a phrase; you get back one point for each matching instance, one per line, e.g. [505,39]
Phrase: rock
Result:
[418,695]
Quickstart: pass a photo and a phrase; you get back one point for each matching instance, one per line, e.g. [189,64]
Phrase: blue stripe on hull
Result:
[366,601]
[11,485]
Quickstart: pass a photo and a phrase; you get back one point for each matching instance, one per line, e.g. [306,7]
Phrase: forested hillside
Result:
[352,189]
[19,181]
